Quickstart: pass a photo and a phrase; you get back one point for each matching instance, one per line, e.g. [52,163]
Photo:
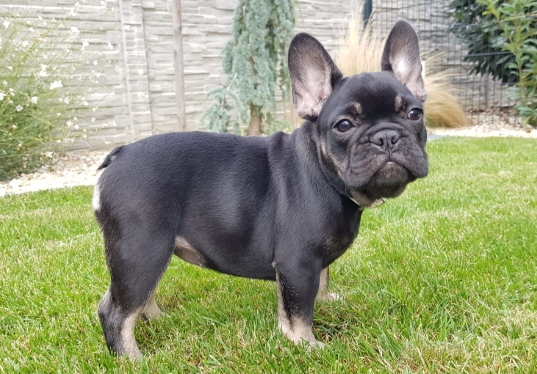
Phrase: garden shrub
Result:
[483,38]
[517,20]
[38,97]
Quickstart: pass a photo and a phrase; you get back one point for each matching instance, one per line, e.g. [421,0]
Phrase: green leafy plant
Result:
[518,21]
[483,37]
[255,63]
[38,98]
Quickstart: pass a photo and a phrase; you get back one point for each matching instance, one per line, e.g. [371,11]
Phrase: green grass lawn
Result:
[442,279]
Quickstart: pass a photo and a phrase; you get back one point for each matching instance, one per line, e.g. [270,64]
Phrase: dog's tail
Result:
[110,157]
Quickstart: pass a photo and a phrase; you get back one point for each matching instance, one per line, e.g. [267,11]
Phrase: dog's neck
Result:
[311,140]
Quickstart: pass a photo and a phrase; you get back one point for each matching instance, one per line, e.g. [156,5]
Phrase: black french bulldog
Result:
[281,207]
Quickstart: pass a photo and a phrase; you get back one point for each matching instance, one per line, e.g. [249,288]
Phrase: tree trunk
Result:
[254,129]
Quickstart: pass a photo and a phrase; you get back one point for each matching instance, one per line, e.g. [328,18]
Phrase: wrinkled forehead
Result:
[369,94]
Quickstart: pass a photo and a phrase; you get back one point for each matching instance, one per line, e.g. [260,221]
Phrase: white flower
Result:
[76,127]
[85,43]
[34,99]
[6,24]
[13,127]
[24,44]
[49,154]
[43,67]
[19,108]
[95,62]
[31,29]
[10,67]
[69,123]
[56,84]
[110,46]
[75,30]
[42,73]
[12,92]
[2,95]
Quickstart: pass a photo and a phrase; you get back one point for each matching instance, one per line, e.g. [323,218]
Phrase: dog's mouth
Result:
[388,182]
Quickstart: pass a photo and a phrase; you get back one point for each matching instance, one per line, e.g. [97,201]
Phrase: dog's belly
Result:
[242,263]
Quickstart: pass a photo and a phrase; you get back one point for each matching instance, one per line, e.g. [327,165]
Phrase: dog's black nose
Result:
[386,139]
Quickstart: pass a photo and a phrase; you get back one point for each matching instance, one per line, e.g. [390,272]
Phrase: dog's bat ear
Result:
[401,56]
[313,75]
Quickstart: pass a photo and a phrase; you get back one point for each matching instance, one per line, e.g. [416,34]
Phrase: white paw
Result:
[327,297]
[315,345]
[334,296]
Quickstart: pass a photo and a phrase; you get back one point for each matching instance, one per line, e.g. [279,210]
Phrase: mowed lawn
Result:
[442,279]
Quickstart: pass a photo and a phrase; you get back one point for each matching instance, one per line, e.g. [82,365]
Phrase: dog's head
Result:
[370,126]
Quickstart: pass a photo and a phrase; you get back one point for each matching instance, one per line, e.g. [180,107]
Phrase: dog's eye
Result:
[343,126]
[415,114]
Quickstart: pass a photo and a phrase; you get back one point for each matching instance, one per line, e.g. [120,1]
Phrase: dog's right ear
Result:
[313,75]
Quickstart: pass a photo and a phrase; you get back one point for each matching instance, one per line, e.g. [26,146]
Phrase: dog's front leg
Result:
[323,294]
[296,296]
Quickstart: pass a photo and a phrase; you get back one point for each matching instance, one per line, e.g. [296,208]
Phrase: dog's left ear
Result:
[313,75]
[401,56]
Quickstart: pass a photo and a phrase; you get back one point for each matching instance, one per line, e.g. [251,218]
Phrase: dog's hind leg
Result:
[151,309]
[323,294]
[137,262]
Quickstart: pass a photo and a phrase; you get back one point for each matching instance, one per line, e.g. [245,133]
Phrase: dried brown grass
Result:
[441,107]
[359,49]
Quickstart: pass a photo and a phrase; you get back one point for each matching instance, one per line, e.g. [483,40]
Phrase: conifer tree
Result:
[255,63]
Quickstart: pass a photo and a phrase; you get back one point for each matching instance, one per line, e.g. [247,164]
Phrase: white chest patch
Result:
[96,201]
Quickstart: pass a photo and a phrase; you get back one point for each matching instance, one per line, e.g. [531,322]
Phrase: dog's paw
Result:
[152,312]
[315,345]
[325,296]
[333,296]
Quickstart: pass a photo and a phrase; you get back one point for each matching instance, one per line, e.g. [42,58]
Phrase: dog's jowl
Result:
[281,207]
